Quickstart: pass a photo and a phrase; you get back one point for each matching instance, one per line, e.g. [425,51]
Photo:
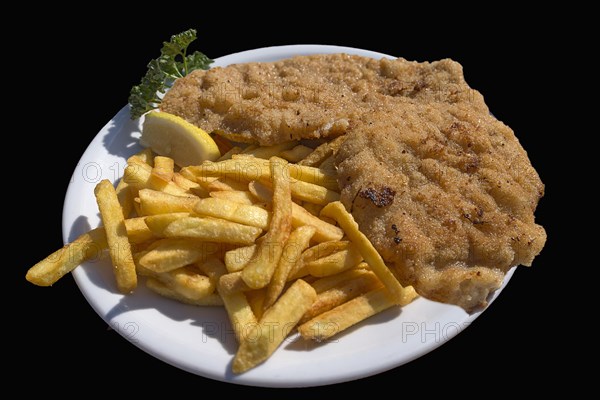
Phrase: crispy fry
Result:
[297,242]
[229,153]
[233,283]
[276,323]
[172,253]
[237,259]
[137,230]
[256,299]
[344,316]
[137,174]
[296,154]
[317,176]
[267,152]
[145,156]
[335,263]
[163,170]
[223,144]
[189,186]
[116,236]
[154,202]
[338,212]
[323,284]
[308,192]
[158,223]
[125,196]
[314,209]
[185,281]
[239,168]
[240,313]
[339,294]
[56,265]
[238,196]
[260,269]
[212,229]
[314,253]
[322,152]
[233,211]
[160,288]
[325,231]
[213,268]
[226,184]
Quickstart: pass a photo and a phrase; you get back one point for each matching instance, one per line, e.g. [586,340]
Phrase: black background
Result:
[80,78]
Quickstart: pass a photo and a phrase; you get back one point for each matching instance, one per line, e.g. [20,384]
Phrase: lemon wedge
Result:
[172,136]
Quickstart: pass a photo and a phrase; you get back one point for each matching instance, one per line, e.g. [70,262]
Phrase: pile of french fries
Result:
[260,231]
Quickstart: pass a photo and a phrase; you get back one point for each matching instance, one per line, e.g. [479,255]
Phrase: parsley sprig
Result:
[173,63]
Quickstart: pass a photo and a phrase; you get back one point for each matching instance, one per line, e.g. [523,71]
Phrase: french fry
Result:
[237,259]
[87,246]
[260,269]
[229,153]
[342,293]
[154,202]
[240,313]
[160,288]
[163,170]
[338,212]
[233,283]
[297,242]
[172,253]
[276,323]
[213,268]
[325,231]
[125,196]
[246,168]
[323,284]
[212,229]
[249,148]
[146,156]
[119,248]
[138,231]
[322,152]
[185,281]
[335,263]
[342,317]
[239,168]
[233,211]
[308,192]
[137,174]
[296,154]
[158,223]
[317,176]
[223,144]
[314,209]
[267,152]
[238,196]
[226,184]
[191,187]
[256,300]
[314,253]
[328,165]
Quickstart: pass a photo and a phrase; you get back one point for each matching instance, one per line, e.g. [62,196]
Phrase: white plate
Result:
[200,340]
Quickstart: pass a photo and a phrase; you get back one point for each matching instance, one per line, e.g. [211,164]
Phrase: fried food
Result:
[305,97]
[446,195]
[443,189]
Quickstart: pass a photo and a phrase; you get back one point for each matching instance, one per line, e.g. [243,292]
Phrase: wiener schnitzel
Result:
[443,190]
[308,96]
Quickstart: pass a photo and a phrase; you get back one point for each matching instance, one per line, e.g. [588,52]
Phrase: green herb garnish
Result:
[173,63]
